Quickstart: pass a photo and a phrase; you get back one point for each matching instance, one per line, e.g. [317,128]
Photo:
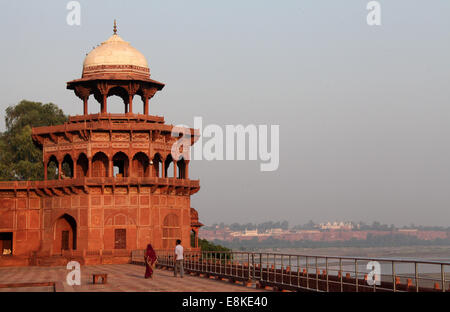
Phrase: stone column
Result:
[85,106]
[146,105]
[104,104]
[110,172]
[163,168]
[74,171]
[83,93]
[103,88]
[130,104]
[59,170]
[130,168]
[89,167]
[150,168]
[132,89]
[45,170]
[147,94]
[174,169]
[196,237]
[186,169]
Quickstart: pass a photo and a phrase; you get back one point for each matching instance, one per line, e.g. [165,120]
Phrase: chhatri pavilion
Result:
[116,184]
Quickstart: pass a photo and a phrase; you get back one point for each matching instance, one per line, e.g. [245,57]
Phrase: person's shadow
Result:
[137,276]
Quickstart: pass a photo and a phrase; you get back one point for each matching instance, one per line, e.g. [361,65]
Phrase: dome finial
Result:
[115,28]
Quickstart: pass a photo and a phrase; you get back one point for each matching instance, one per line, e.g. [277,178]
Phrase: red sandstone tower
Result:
[117,186]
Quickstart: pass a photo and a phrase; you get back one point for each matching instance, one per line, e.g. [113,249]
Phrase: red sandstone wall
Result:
[97,215]
[22,216]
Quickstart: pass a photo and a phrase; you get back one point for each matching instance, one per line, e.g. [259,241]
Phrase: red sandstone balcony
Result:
[113,181]
[117,117]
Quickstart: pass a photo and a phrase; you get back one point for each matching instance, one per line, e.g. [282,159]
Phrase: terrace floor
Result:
[121,277]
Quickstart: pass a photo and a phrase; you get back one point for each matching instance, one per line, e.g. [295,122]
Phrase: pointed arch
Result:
[100,165]
[168,167]
[52,168]
[82,166]
[67,167]
[157,165]
[120,165]
[65,233]
[140,165]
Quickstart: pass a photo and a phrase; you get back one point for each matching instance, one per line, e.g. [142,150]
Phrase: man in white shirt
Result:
[179,259]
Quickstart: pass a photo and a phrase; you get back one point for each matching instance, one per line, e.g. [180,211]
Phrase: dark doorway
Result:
[120,165]
[6,243]
[65,234]
[193,238]
[120,239]
[65,240]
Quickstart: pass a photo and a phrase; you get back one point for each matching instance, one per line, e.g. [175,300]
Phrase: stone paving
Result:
[121,277]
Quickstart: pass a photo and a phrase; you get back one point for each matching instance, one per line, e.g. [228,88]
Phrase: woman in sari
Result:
[150,261]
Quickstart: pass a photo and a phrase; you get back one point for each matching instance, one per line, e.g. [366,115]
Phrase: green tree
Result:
[209,246]
[20,158]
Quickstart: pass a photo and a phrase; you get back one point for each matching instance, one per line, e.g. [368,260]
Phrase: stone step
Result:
[57,260]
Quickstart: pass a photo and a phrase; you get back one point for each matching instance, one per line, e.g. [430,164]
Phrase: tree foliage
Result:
[20,159]
[209,246]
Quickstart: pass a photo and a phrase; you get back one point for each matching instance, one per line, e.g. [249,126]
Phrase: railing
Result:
[101,180]
[314,273]
[94,253]
[95,117]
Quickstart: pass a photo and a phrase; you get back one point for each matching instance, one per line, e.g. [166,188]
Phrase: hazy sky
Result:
[364,111]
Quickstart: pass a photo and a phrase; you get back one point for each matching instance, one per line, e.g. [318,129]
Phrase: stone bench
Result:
[97,276]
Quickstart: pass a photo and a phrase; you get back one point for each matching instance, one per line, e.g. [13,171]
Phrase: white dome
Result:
[115,56]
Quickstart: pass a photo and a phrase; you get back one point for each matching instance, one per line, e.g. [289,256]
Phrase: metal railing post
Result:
[393,277]
[275,268]
[290,269]
[317,274]
[342,273]
[260,267]
[253,266]
[375,282]
[326,272]
[356,275]
[248,266]
[307,273]
[231,263]
[416,273]
[242,269]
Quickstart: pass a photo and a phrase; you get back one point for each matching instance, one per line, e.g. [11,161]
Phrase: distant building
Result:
[336,226]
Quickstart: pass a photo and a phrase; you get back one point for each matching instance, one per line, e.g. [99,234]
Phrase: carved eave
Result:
[38,140]
[196,224]
[194,190]
[125,86]
[88,83]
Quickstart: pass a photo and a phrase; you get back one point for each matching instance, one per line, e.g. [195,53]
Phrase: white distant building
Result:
[250,232]
[275,231]
[336,226]
[245,233]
